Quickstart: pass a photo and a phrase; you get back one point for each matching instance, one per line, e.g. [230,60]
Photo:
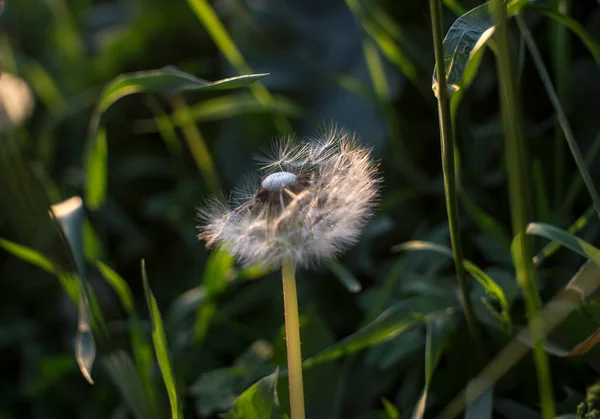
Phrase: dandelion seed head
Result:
[310,203]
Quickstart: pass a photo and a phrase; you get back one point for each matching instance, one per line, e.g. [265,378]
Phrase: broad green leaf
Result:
[465,38]
[218,271]
[490,286]
[344,275]
[438,333]
[258,402]
[28,255]
[161,349]
[390,324]
[125,377]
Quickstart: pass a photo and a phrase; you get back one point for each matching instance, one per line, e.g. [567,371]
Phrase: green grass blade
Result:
[566,239]
[28,255]
[96,161]
[215,28]
[574,228]
[161,349]
[166,80]
[449,170]
[520,200]
[197,145]
[119,285]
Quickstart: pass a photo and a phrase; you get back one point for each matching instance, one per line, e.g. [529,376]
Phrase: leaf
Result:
[566,239]
[344,275]
[166,80]
[438,333]
[258,402]
[391,323]
[586,345]
[390,409]
[119,285]
[161,349]
[28,255]
[465,38]
[490,286]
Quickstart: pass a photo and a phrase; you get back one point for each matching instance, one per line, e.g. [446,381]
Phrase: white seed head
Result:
[311,204]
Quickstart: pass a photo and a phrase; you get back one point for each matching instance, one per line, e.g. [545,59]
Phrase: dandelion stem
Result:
[292,333]
[447,147]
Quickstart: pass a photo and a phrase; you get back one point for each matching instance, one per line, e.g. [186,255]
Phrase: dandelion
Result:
[309,204]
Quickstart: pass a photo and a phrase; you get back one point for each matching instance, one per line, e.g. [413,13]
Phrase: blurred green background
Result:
[365,65]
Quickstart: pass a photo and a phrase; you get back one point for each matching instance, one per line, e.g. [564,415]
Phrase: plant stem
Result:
[447,149]
[517,179]
[292,333]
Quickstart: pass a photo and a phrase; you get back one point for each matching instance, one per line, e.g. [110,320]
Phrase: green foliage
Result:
[383,331]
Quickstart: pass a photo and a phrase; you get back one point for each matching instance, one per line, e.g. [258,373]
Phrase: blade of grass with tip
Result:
[161,349]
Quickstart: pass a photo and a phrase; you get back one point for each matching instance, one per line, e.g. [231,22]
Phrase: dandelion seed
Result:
[310,203]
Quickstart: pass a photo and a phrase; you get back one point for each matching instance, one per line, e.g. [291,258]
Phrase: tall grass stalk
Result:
[560,113]
[560,57]
[447,148]
[518,190]
[292,340]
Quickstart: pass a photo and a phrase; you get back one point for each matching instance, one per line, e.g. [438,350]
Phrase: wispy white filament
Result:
[312,201]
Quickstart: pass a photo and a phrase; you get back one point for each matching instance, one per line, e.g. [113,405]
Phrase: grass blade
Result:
[161,349]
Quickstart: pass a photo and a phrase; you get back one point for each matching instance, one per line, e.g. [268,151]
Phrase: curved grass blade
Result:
[28,255]
[161,349]
[562,118]
[566,239]
[490,286]
[166,80]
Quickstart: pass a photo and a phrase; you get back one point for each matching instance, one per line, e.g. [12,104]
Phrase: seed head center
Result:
[277,181]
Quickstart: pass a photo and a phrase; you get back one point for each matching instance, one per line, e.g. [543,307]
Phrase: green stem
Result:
[517,179]
[292,333]
[447,149]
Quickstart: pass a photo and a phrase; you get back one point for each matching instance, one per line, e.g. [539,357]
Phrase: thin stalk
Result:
[560,56]
[560,114]
[517,184]
[292,340]
[447,149]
